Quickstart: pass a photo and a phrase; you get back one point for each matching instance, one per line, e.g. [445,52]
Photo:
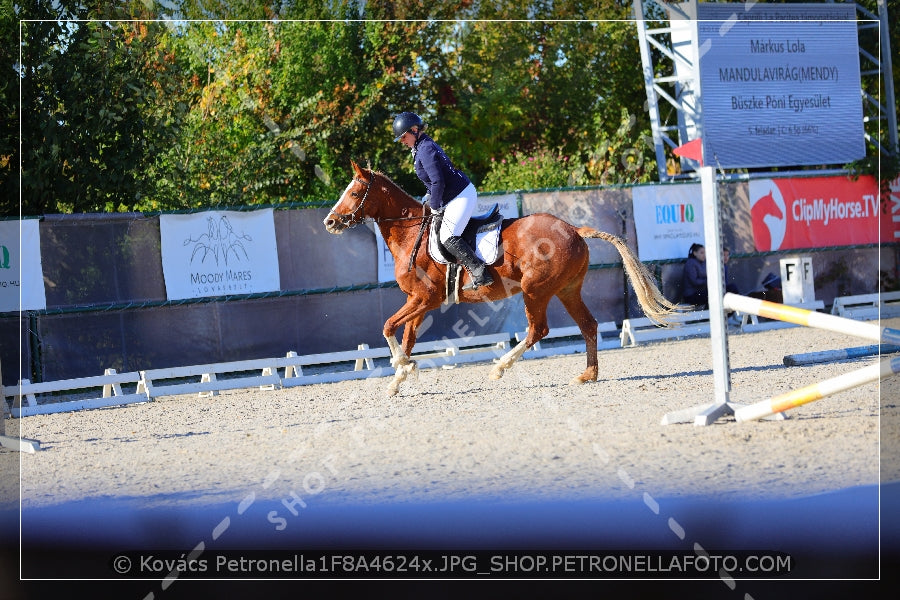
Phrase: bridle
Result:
[350,221]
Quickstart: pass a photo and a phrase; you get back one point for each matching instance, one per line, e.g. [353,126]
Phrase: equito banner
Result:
[816,212]
[219,253]
[668,219]
[20,266]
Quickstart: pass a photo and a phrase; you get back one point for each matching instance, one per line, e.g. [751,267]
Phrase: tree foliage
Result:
[152,105]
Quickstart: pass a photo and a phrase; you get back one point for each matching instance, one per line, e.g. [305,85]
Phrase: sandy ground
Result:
[453,434]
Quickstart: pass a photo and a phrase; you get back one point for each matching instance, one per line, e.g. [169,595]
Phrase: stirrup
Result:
[476,283]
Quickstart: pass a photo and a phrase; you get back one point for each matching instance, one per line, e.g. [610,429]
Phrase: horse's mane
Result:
[388,180]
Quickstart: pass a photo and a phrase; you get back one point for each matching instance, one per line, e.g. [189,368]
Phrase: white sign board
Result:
[20,266]
[219,253]
[780,84]
[797,283]
[667,219]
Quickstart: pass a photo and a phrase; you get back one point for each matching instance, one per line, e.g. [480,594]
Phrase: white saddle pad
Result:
[487,244]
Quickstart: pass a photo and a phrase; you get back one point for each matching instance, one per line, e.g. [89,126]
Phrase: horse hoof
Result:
[496,374]
[392,390]
[582,379]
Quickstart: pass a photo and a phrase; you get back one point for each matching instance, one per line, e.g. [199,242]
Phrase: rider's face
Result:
[408,139]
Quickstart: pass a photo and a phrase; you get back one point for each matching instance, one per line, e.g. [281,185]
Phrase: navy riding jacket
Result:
[444,181]
[694,278]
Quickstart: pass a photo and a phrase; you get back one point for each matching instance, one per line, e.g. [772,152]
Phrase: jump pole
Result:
[817,391]
[810,318]
[809,358]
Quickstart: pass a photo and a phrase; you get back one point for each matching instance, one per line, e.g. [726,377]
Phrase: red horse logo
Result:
[762,234]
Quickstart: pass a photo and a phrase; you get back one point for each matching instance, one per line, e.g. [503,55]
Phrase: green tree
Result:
[9,117]
[85,89]
[260,103]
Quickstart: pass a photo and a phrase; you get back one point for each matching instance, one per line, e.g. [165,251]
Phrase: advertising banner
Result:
[667,219]
[816,212]
[219,253]
[890,217]
[780,84]
[20,266]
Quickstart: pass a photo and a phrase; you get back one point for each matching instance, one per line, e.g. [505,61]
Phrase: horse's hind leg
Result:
[536,313]
[575,306]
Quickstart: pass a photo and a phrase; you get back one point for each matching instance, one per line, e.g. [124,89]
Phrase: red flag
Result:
[692,150]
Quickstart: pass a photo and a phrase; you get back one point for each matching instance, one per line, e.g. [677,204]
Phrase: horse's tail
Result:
[656,306]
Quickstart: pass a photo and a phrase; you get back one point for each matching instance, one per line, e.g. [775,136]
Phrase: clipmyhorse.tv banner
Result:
[816,212]
[219,253]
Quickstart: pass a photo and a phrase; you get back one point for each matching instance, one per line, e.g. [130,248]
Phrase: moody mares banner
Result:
[219,253]
[816,212]
[668,219]
[20,266]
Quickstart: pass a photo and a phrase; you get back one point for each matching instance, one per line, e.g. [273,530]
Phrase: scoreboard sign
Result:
[780,84]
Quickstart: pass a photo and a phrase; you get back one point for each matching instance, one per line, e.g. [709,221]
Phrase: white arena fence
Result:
[118,389]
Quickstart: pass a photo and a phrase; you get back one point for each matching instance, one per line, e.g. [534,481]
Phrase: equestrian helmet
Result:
[404,122]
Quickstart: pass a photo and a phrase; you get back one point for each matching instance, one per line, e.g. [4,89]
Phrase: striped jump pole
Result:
[809,358]
[810,318]
[819,390]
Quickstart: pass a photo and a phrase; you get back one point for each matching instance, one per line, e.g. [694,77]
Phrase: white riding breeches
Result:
[457,213]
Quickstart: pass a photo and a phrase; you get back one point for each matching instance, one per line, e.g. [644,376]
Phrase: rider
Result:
[450,193]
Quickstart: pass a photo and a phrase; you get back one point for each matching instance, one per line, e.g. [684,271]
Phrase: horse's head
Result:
[350,209]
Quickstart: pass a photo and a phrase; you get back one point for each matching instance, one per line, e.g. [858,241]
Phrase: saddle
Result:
[482,233]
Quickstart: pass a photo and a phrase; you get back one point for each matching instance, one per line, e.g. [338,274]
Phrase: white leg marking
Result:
[507,360]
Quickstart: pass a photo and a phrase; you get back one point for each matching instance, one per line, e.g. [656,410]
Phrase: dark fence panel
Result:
[96,259]
[13,328]
[82,344]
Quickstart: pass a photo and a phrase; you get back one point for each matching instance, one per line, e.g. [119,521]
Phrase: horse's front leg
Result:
[411,314]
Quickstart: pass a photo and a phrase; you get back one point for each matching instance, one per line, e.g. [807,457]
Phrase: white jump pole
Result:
[811,318]
[817,391]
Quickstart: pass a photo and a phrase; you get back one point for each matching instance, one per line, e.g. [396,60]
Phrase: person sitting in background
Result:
[693,282]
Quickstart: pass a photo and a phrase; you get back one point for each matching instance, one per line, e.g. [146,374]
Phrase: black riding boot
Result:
[465,255]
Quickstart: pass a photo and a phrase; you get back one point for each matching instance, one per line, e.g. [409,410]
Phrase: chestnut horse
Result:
[543,256]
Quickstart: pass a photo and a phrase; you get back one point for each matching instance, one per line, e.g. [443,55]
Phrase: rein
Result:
[351,220]
[415,250]
[348,220]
